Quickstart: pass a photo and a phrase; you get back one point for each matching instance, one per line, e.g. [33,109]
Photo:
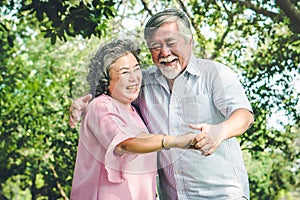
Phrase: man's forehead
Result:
[165,34]
[167,31]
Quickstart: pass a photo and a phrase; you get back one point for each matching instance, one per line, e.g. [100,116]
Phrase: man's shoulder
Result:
[149,71]
[149,74]
[208,66]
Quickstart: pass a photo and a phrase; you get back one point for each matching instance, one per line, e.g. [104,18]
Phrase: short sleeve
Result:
[105,127]
[228,92]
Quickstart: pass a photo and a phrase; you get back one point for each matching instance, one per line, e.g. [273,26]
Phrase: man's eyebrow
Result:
[166,40]
[153,43]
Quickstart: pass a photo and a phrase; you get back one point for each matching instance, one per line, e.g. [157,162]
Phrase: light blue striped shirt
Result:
[206,92]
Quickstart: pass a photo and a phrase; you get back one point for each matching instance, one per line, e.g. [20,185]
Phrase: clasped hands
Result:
[209,138]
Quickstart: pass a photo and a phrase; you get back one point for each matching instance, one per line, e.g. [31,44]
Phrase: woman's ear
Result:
[191,41]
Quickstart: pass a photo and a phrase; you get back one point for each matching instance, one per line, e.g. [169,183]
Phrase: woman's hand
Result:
[182,141]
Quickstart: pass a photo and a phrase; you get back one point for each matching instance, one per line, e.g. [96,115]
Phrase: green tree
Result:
[37,147]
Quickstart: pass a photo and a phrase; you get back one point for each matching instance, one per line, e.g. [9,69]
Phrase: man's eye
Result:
[155,46]
[172,44]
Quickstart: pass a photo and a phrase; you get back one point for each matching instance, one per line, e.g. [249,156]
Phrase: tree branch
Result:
[285,5]
[198,32]
[251,6]
[146,7]
[290,10]
[219,44]
[62,192]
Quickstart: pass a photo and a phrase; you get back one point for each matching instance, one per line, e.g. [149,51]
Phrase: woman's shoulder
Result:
[102,101]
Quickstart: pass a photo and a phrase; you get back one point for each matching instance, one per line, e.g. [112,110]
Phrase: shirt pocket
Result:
[195,109]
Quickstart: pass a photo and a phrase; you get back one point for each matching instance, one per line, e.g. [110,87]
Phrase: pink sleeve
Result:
[109,128]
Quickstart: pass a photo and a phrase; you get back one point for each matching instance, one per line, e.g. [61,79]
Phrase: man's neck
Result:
[170,84]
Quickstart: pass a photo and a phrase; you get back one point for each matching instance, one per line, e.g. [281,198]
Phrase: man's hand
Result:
[76,109]
[209,139]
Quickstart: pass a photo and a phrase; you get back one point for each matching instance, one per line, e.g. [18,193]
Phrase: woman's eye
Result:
[137,68]
[124,72]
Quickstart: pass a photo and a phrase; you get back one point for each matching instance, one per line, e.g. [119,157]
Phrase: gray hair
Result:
[98,76]
[168,16]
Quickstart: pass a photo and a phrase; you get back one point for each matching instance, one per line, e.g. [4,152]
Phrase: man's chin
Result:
[170,74]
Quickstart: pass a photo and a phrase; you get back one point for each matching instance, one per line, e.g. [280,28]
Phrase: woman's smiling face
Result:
[125,79]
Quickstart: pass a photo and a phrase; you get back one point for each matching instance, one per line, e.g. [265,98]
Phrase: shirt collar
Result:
[192,67]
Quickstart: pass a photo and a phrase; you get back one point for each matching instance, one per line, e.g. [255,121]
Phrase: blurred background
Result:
[45,47]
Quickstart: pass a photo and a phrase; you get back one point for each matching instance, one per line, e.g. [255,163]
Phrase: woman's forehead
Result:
[126,61]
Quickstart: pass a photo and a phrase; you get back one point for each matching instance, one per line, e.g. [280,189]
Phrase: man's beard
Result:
[169,72]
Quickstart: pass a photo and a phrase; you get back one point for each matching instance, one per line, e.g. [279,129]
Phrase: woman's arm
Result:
[145,143]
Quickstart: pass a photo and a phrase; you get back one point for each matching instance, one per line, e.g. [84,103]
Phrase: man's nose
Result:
[165,50]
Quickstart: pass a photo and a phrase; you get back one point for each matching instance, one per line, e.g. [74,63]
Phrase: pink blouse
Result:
[99,173]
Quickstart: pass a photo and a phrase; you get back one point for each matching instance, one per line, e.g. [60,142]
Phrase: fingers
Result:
[202,143]
[87,98]
[195,126]
[77,108]
[205,148]
[74,117]
[74,114]
[72,121]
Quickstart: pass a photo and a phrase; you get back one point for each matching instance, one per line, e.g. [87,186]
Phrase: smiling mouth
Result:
[132,87]
[168,60]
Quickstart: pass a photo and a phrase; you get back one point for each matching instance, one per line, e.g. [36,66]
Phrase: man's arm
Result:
[76,109]
[211,136]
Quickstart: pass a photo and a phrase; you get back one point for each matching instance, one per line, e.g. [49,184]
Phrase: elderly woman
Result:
[116,156]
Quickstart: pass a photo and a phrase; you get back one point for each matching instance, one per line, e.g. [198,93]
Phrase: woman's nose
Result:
[133,75]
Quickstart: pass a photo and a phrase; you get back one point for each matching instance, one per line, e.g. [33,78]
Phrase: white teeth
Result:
[167,59]
[132,87]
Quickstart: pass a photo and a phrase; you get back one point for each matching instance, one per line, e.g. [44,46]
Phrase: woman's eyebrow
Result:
[126,68]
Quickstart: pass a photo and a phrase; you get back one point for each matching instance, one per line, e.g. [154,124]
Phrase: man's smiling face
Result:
[170,50]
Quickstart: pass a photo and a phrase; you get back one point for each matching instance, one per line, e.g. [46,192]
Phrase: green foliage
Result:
[273,173]
[59,19]
[37,146]
[39,76]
